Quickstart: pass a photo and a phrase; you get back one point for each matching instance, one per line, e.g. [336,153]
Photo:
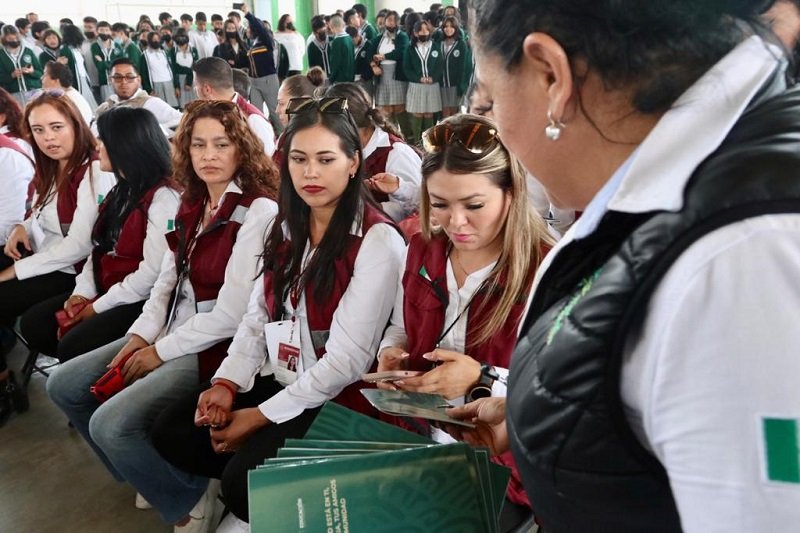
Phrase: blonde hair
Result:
[520,256]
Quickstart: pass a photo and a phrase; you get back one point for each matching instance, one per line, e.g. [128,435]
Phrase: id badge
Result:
[37,234]
[283,348]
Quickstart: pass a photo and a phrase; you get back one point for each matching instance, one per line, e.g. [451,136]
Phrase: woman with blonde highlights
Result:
[466,280]
[193,311]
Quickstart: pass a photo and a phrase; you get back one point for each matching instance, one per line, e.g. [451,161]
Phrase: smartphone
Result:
[238,5]
[390,375]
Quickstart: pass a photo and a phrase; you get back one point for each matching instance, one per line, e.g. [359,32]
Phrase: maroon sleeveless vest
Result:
[376,164]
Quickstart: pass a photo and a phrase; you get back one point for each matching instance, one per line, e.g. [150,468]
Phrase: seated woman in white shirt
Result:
[45,252]
[392,167]
[331,262]
[16,160]
[464,286]
[128,240]
[193,311]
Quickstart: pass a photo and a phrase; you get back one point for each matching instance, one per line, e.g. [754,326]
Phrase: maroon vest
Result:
[424,303]
[210,257]
[320,314]
[112,267]
[247,108]
[376,164]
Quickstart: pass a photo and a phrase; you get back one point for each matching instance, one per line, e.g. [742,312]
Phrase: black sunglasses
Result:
[335,105]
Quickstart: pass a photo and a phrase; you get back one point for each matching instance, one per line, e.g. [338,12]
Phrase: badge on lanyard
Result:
[283,348]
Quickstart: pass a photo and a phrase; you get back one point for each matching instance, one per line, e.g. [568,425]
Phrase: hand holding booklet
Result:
[412,404]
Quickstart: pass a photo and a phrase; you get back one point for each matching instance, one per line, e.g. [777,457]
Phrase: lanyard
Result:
[182,269]
[295,289]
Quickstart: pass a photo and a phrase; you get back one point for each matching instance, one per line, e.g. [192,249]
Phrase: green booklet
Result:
[335,422]
[412,404]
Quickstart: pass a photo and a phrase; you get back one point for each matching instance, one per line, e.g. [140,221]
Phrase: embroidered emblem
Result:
[170,224]
[457,53]
[781,450]
[583,289]
[435,53]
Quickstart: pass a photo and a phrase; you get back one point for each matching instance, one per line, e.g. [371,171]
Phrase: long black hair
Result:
[140,158]
[72,36]
[293,211]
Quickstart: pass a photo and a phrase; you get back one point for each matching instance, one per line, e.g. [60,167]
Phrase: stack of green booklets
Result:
[352,473]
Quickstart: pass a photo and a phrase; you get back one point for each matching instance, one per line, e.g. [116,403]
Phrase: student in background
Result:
[104,52]
[128,238]
[366,29]
[391,87]
[318,45]
[294,43]
[341,54]
[121,33]
[51,48]
[72,50]
[423,64]
[331,260]
[361,53]
[20,71]
[457,66]
[203,39]
[233,49]
[158,78]
[183,57]
[263,70]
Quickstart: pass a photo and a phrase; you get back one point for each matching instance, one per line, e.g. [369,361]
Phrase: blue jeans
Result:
[119,429]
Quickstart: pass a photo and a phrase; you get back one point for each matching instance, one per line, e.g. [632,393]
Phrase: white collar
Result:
[379,139]
[232,187]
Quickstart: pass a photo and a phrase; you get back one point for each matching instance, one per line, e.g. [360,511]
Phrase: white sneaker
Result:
[141,503]
[201,515]
[231,524]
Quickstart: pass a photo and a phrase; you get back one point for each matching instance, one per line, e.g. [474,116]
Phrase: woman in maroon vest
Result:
[45,252]
[318,310]
[128,239]
[193,311]
[466,283]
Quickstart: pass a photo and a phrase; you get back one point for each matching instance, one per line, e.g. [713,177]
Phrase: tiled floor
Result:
[50,481]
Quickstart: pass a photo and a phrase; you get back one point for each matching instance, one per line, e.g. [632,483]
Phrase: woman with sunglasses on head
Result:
[45,252]
[654,385]
[423,65]
[192,313]
[128,239]
[331,262]
[392,168]
[465,284]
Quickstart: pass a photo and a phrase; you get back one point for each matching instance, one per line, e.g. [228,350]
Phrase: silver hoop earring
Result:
[553,129]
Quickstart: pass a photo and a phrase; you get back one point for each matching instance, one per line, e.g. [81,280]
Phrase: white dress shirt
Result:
[404,163]
[137,285]
[17,173]
[355,332]
[167,116]
[57,252]
[158,65]
[295,48]
[262,128]
[199,325]
[718,346]
[204,41]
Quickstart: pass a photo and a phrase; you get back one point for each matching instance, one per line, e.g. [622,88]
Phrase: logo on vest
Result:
[583,289]
[171,224]
[435,53]
[781,450]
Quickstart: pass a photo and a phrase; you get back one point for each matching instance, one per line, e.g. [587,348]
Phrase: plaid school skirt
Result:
[390,91]
[424,98]
[450,97]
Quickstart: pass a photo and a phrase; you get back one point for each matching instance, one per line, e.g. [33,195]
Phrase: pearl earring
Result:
[553,130]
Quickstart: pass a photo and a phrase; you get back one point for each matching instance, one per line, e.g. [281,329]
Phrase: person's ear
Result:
[356,162]
[548,62]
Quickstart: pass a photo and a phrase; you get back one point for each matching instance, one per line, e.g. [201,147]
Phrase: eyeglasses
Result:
[477,138]
[130,78]
[330,105]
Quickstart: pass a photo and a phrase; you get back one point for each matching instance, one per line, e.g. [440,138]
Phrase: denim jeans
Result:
[119,429]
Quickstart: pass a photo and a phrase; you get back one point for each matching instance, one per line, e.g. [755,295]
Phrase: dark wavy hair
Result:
[256,173]
[140,159]
[295,212]
[72,36]
[47,169]
[13,112]
[658,49]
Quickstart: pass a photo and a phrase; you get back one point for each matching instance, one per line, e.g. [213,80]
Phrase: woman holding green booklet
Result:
[467,275]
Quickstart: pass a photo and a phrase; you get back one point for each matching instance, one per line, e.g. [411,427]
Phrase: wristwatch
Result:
[483,389]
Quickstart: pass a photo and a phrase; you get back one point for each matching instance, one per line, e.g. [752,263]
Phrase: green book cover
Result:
[335,422]
[418,490]
[349,444]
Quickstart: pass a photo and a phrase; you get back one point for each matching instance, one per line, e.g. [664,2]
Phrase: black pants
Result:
[16,296]
[188,447]
[39,327]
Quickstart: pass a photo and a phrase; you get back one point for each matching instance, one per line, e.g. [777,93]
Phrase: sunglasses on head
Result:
[330,105]
[477,138]
[222,105]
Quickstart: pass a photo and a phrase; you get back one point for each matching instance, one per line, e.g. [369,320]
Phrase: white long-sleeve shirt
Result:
[199,325]
[137,285]
[17,173]
[404,163]
[717,352]
[204,41]
[355,332]
[55,252]
[262,128]
[295,48]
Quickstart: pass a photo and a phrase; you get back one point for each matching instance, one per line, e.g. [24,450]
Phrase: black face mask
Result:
[90,34]
[143,43]
[166,38]
[422,38]
[155,45]
[12,44]
[322,36]
[391,29]
[231,34]
[104,37]
[290,26]
[180,41]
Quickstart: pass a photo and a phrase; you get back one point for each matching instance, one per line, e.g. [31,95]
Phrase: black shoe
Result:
[13,397]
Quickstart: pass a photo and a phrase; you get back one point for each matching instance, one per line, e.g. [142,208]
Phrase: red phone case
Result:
[62,318]
[111,382]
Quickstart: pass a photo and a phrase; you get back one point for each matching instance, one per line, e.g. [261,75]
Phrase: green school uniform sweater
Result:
[342,59]
[318,57]
[177,69]
[104,65]
[401,42]
[433,67]
[132,52]
[46,57]
[457,64]
[147,85]
[27,82]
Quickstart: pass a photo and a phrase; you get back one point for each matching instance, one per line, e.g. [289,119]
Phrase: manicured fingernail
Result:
[405,355]
[399,383]
[429,357]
